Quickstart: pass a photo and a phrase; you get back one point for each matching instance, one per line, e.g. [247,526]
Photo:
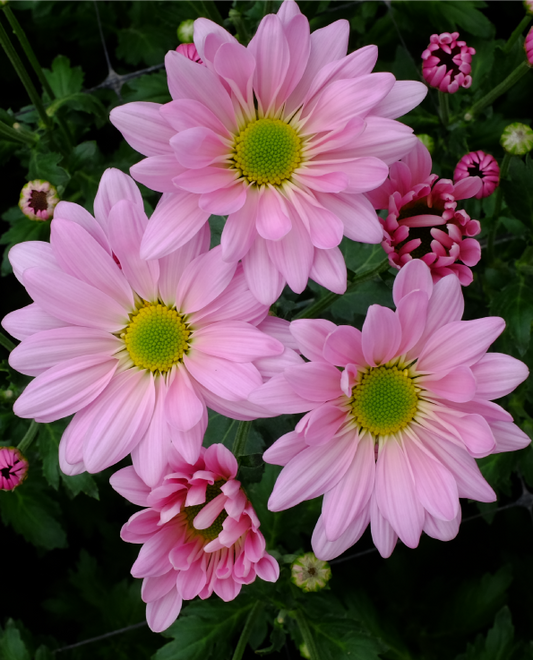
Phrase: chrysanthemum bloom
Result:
[482,165]
[190,52]
[398,413]
[282,137]
[446,62]
[13,468]
[423,221]
[38,200]
[134,348]
[517,139]
[200,534]
[528,47]
[309,573]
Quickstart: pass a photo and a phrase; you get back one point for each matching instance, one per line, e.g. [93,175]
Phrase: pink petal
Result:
[497,375]
[383,535]
[128,484]
[188,113]
[321,424]
[272,221]
[357,215]
[267,568]
[114,187]
[385,139]
[262,275]
[157,172]
[230,380]
[293,255]
[25,322]
[278,397]
[143,127]
[457,385]
[509,437]
[235,341]
[189,443]
[325,229]
[199,147]
[329,270]
[311,335]
[192,581]
[224,201]
[220,460]
[414,276]
[315,381]
[155,588]
[76,213]
[403,97]
[235,63]
[344,346]
[285,448]
[29,255]
[444,530]
[327,550]
[183,408]
[239,230]
[381,335]
[299,42]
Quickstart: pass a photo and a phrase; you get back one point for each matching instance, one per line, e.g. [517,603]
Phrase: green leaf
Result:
[515,304]
[366,294]
[464,14]
[45,166]
[151,87]
[79,101]
[518,190]
[63,79]
[84,154]
[11,645]
[497,470]
[136,45]
[205,630]
[361,257]
[498,645]
[32,513]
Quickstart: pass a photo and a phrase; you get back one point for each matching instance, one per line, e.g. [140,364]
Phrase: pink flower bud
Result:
[446,62]
[13,468]
[482,165]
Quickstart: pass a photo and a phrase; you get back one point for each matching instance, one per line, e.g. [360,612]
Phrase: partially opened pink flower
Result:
[282,137]
[200,534]
[398,413]
[13,468]
[447,62]
[482,165]
[38,200]
[423,221]
[528,47]
[133,348]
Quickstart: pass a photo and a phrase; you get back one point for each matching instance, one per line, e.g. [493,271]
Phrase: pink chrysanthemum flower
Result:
[528,46]
[38,200]
[200,534]
[399,412]
[423,221]
[190,52]
[282,137]
[134,348]
[482,165]
[446,62]
[13,468]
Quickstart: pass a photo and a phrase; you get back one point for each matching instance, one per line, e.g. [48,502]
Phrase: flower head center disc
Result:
[191,512]
[38,200]
[156,338]
[385,400]
[267,151]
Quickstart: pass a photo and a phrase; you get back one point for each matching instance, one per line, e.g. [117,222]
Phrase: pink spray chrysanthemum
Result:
[200,534]
[423,221]
[13,468]
[135,348]
[528,46]
[446,62]
[190,52]
[282,137]
[391,438]
[482,165]
[38,200]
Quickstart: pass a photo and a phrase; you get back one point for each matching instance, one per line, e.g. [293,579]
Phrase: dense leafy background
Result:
[65,571]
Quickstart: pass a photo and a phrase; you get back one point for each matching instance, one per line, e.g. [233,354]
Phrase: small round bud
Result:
[13,468]
[304,651]
[427,141]
[309,573]
[528,6]
[38,200]
[517,139]
[186,31]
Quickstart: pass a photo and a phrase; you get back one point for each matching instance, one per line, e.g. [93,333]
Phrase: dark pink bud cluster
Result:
[482,165]
[446,62]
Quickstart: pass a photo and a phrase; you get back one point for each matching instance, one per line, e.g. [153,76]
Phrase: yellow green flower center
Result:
[267,151]
[385,400]
[156,337]
[191,512]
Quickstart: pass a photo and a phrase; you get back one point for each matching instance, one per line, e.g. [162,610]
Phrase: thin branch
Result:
[100,637]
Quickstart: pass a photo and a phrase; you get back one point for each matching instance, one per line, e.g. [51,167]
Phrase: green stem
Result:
[444,106]
[497,208]
[11,134]
[29,437]
[24,77]
[6,343]
[306,634]
[240,438]
[500,89]
[317,308]
[246,631]
[521,27]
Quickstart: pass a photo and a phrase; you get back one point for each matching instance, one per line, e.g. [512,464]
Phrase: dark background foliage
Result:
[64,570]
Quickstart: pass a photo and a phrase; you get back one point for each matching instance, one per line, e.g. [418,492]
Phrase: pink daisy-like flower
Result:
[482,165]
[38,200]
[135,348]
[200,534]
[423,221]
[190,52]
[282,137]
[398,413]
[446,62]
[13,468]
[528,46]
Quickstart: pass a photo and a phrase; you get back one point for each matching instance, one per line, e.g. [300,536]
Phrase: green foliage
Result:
[11,645]
[515,304]
[518,190]
[497,645]
[64,79]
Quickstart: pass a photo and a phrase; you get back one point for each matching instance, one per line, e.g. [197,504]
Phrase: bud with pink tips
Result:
[446,62]
[200,534]
[38,200]
[13,468]
[482,165]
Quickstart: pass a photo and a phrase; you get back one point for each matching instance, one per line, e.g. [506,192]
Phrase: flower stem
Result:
[29,437]
[306,634]
[497,208]
[24,77]
[13,135]
[444,106]
[241,436]
[317,308]
[6,343]
[500,89]
[246,631]
[518,31]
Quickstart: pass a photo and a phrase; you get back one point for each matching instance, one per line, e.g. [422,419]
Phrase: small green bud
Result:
[309,573]
[186,31]
[517,139]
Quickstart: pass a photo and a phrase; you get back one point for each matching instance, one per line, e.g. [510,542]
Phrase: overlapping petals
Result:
[482,165]
[423,221]
[403,471]
[286,230]
[200,534]
[447,62]
[88,284]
